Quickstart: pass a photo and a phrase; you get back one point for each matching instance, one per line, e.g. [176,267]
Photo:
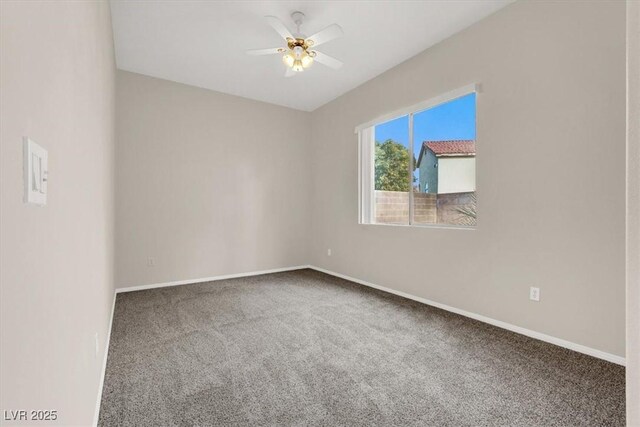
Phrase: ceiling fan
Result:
[300,51]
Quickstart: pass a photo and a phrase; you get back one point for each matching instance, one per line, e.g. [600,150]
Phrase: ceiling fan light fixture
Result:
[306,60]
[298,51]
[289,58]
[297,55]
[297,65]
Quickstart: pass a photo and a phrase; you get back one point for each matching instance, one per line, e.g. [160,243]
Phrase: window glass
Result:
[391,178]
[445,171]
[420,168]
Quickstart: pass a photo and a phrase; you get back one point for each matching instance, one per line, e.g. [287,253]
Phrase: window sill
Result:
[437,226]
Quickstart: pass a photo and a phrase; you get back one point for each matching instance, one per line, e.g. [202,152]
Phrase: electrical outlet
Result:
[534,294]
[328,252]
[151,262]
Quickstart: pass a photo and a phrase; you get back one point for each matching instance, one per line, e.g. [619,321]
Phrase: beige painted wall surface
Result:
[207,184]
[56,262]
[550,174]
[633,213]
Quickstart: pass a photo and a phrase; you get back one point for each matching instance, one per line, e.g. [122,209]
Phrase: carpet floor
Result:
[306,348]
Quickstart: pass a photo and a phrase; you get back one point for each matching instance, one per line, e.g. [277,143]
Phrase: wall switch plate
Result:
[328,252]
[534,294]
[151,262]
[36,170]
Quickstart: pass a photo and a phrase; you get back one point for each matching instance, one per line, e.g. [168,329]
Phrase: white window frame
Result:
[366,154]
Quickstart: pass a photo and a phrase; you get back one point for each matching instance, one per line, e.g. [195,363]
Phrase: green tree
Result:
[392,166]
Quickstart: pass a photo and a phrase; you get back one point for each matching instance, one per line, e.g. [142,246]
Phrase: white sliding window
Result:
[417,166]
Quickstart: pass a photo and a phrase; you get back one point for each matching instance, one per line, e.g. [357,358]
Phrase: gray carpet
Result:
[305,348]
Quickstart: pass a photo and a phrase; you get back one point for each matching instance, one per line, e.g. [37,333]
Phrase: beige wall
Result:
[56,264]
[551,115]
[633,213]
[207,184]
[210,184]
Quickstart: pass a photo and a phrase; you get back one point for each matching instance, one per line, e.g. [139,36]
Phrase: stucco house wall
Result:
[428,173]
[456,175]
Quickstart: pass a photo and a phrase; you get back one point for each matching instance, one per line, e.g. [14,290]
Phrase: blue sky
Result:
[453,120]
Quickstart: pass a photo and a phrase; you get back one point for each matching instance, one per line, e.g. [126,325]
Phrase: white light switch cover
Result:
[35,173]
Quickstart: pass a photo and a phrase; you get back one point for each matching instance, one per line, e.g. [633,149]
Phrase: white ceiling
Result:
[203,43]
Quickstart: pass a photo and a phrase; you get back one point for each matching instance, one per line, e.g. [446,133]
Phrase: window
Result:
[418,166]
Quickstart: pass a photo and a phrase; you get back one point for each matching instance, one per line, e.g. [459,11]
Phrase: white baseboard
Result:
[96,414]
[208,279]
[533,334]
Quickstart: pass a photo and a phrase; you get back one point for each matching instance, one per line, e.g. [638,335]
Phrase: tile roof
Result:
[453,147]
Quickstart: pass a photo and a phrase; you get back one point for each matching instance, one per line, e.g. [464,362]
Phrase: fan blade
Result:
[279,26]
[290,72]
[327,60]
[270,51]
[333,31]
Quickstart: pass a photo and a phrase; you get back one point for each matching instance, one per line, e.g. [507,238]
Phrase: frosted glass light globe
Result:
[297,65]
[289,58]
[306,60]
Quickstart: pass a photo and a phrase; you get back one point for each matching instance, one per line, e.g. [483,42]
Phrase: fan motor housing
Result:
[305,44]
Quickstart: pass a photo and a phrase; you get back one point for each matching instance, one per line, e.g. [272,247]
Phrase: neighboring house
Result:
[447,166]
